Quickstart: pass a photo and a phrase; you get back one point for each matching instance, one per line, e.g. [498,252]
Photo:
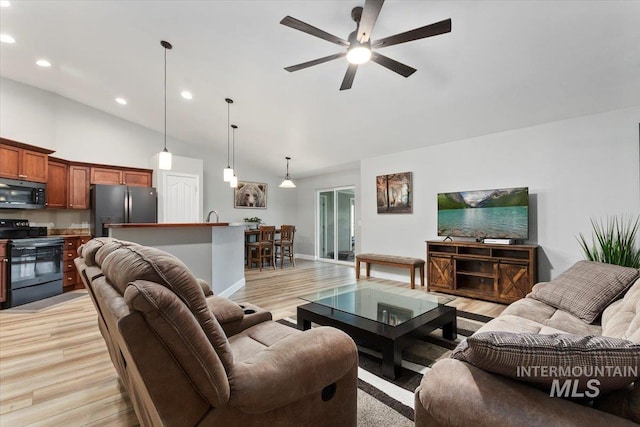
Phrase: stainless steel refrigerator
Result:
[119,204]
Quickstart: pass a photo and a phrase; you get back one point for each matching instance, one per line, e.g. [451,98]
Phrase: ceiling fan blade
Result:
[349,76]
[315,62]
[392,64]
[419,33]
[310,29]
[368,20]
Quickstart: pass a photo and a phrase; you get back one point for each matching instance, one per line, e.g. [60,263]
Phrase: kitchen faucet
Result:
[209,216]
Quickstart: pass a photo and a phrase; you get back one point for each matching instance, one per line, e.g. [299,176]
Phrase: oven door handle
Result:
[24,248]
[37,245]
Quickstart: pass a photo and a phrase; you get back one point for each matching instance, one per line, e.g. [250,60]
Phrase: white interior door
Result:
[181,197]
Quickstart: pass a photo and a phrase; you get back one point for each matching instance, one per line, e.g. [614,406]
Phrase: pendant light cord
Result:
[228,121]
[165,99]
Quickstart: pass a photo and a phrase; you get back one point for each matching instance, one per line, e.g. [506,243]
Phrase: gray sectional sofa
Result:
[587,317]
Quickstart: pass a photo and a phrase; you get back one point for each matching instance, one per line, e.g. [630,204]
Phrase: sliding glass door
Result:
[336,224]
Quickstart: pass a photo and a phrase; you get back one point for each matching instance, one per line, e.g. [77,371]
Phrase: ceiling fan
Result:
[359,46]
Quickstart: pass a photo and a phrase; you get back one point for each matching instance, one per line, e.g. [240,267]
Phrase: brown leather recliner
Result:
[187,360]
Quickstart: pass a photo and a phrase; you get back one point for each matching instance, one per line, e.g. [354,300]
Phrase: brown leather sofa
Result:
[456,393]
[188,358]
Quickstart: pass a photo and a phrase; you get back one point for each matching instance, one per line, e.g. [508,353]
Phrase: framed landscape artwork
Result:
[394,193]
[250,195]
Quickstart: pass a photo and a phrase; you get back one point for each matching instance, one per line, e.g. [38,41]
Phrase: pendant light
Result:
[228,171]
[164,159]
[233,183]
[287,183]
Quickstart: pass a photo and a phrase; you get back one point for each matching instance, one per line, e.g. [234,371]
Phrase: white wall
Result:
[577,169]
[81,133]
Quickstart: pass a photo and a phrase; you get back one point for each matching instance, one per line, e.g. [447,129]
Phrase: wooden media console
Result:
[493,272]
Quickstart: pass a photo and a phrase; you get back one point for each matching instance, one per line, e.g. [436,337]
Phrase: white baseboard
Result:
[233,288]
[315,258]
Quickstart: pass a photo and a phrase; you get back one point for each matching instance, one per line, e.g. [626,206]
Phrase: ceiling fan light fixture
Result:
[358,54]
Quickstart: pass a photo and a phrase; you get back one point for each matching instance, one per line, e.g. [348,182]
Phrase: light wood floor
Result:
[54,365]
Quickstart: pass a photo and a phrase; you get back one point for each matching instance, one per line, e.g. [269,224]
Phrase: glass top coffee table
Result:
[379,317]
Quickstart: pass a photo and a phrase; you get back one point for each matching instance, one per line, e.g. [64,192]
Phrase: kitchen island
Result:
[213,251]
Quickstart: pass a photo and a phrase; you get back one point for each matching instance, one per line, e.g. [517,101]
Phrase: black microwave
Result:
[16,194]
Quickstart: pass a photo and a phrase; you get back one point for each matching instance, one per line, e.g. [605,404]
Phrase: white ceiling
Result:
[505,65]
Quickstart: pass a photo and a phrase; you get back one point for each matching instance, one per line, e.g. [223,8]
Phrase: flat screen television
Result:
[501,213]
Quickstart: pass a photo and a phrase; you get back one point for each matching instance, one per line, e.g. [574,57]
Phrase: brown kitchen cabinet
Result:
[78,187]
[101,175]
[70,276]
[121,176]
[68,185]
[137,178]
[57,185]
[22,161]
[3,270]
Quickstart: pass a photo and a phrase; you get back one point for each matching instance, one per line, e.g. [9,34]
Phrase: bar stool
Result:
[263,248]
[284,246]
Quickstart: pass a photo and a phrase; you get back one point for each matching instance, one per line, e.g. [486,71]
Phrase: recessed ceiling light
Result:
[121,101]
[6,38]
[43,63]
[5,3]
[186,94]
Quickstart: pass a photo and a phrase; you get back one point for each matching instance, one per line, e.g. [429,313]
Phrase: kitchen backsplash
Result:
[57,221]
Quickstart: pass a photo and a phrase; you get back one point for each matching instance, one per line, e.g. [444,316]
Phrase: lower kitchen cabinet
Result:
[3,270]
[70,276]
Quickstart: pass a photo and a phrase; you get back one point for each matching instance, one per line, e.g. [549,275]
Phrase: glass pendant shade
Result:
[233,183]
[228,174]
[164,160]
[287,183]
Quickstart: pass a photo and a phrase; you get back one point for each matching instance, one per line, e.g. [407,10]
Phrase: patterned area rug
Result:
[385,402]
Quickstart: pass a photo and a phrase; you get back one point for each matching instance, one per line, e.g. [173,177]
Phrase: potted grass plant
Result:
[614,241]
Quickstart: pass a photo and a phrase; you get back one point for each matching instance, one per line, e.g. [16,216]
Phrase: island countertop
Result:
[177,224]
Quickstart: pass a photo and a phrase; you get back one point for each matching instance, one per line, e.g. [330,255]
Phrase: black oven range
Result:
[35,262]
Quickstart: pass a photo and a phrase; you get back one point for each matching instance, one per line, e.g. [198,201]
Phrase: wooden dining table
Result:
[252,236]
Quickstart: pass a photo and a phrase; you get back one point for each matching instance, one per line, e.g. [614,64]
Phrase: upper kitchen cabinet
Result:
[22,161]
[100,175]
[137,178]
[78,187]
[121,176]
[57,184]
[68,185]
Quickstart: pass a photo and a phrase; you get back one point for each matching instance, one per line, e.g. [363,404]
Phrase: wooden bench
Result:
[394,261]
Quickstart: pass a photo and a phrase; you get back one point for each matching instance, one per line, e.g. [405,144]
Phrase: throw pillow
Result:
[550,360]
[587,288]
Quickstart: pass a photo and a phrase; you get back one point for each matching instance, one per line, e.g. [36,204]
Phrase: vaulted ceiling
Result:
[505,65]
